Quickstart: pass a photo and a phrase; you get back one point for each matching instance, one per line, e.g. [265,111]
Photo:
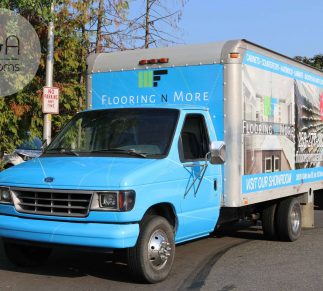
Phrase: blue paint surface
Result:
[70,233]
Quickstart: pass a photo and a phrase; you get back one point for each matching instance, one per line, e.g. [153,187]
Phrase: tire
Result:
[289,219]
[22,255]
[152,258]
[318,199]
[269,222]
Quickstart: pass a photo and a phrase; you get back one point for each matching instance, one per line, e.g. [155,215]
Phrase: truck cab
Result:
[127,178]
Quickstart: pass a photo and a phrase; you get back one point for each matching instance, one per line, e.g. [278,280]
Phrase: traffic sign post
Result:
[50,100]
[47,131]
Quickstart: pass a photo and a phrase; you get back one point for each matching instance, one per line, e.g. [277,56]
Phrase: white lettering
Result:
[178,97]
[115,100]
[104,99]
[124,100]
[189,97]
[152,99]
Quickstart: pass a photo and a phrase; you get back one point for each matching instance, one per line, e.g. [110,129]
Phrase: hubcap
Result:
[159,249]
[295,219]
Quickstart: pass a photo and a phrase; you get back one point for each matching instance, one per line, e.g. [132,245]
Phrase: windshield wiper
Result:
[62,151]
[122,151]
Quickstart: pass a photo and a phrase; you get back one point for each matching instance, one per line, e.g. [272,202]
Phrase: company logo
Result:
[19,52]
[10,51]
[150,79]
[49,179]
[269,106]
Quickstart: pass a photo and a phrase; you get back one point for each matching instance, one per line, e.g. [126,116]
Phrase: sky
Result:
[290,27]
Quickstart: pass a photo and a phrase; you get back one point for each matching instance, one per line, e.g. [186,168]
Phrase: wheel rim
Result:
[295,219]
[159,249]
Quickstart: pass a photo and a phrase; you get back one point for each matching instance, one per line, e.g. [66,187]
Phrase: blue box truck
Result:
[174,142]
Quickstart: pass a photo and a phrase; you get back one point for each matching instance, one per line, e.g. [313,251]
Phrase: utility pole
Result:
[47,131]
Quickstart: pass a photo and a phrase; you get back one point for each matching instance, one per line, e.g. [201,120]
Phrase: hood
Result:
[84,172]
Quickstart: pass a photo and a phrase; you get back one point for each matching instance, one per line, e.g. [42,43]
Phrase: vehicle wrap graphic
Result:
[282,126]
[192,85]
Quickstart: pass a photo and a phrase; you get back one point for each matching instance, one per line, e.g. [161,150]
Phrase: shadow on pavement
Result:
[72,264]
[245,230]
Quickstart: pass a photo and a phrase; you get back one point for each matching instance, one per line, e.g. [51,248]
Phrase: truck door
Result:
[201,199]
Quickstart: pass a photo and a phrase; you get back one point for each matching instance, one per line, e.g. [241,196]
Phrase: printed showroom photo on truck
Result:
[174,142]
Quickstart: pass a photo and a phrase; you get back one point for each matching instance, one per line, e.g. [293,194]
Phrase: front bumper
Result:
[102,235]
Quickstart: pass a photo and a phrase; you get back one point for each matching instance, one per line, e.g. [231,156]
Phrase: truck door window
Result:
[194,138]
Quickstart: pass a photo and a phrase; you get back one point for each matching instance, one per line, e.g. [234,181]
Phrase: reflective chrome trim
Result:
[72,203]
[159,249]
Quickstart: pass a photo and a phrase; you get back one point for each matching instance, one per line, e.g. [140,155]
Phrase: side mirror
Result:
[217,151]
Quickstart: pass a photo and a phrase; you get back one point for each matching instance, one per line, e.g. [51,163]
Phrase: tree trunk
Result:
[98,44]
[147,24]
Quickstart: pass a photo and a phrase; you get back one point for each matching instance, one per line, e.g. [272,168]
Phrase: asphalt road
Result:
[234,259]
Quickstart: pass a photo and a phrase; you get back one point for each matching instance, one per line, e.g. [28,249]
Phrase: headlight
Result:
[114,200]
[108,200]
[5,195]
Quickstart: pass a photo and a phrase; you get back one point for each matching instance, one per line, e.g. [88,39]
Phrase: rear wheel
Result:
[26,255]
[318,199]
[289,219]
[152,258]
[269,222]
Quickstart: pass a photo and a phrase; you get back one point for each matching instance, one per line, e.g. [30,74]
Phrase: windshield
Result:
[31,144]
[121,132]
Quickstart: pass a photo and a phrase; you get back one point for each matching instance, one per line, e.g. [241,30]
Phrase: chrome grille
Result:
[52,202]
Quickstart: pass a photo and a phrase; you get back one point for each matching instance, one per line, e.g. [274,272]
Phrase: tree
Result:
[21,113]
[82,27]
[99,36]
[316,61]
[108,25]
[158,25]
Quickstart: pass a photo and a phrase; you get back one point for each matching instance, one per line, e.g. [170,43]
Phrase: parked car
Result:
[29,149]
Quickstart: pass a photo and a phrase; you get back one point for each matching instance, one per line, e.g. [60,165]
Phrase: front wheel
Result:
[152,258]
[26,255]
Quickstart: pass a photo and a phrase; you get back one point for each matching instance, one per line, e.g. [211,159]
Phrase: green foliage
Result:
[316,61]
[8,134]
[22,112]
[76,32]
